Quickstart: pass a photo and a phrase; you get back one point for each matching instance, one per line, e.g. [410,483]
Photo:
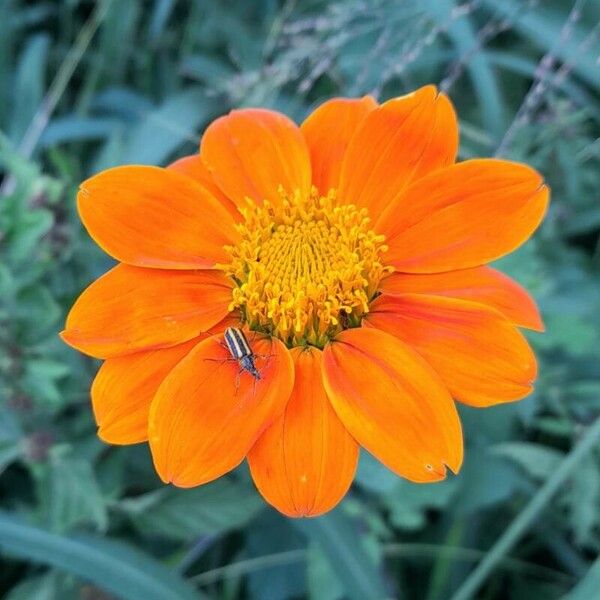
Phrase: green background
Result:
[84,86]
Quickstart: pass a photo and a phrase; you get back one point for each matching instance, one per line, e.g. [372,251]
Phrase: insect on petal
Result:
[207,415]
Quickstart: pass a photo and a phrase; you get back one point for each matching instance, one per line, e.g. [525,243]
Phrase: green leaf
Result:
[9,453]
[322,582]
[373,475]
[485,480]
[40,380]
[10,429]
[30,84]
[164,129]
[338,538]
[160,15]
[588,587]
[7,43]
[40,588]
[36,312]
[69,492]
[74,128]
[285,576]
[119,25]
[583,499]
[53,585]
[186,514]
[113,566]
[409,502]
[538,461]
[27,233]
[211,70]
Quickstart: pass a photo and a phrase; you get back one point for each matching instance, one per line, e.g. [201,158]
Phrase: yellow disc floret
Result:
[305,269]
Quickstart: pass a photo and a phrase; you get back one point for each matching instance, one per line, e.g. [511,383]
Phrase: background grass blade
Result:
[112,566]
[30,84]
[528,515]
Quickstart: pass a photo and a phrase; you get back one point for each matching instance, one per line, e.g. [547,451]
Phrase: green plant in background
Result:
[85,86]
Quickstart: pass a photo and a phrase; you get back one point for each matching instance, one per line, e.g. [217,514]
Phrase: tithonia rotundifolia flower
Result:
[350,253]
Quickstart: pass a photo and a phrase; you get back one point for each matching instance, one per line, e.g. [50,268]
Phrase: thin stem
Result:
[243,567]
[250,565]
[528,515]
[197,550]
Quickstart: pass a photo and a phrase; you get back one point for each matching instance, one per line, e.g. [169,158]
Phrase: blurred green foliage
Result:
[77,517]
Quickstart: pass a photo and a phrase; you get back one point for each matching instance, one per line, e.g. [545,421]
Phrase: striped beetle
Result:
[240,350]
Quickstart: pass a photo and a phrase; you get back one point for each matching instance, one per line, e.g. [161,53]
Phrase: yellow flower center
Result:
[306,269]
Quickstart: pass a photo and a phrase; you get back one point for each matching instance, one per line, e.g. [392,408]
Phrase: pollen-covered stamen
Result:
[307,269]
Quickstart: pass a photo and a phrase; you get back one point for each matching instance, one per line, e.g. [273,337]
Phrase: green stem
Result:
[528,515]
[409,550]
[249,565]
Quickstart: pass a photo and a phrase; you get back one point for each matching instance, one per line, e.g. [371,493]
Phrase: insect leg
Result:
[237,380]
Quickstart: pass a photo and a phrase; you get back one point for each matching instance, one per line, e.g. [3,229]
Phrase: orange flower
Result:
[352,251]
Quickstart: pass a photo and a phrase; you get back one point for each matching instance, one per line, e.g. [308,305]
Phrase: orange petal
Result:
[252,152]
[153,217]
[207,415]
[193,167]
[123,390]
[125,386]
[305,462]
[393,403]
[479,354]
[131,309]
[464,216]
[328,131]
[401,140]
[480,284]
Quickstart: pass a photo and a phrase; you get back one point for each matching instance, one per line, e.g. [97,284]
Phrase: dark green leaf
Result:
[113,566]
[186,514]
[345,550]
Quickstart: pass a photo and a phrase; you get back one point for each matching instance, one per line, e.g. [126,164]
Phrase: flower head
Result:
[351,253]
